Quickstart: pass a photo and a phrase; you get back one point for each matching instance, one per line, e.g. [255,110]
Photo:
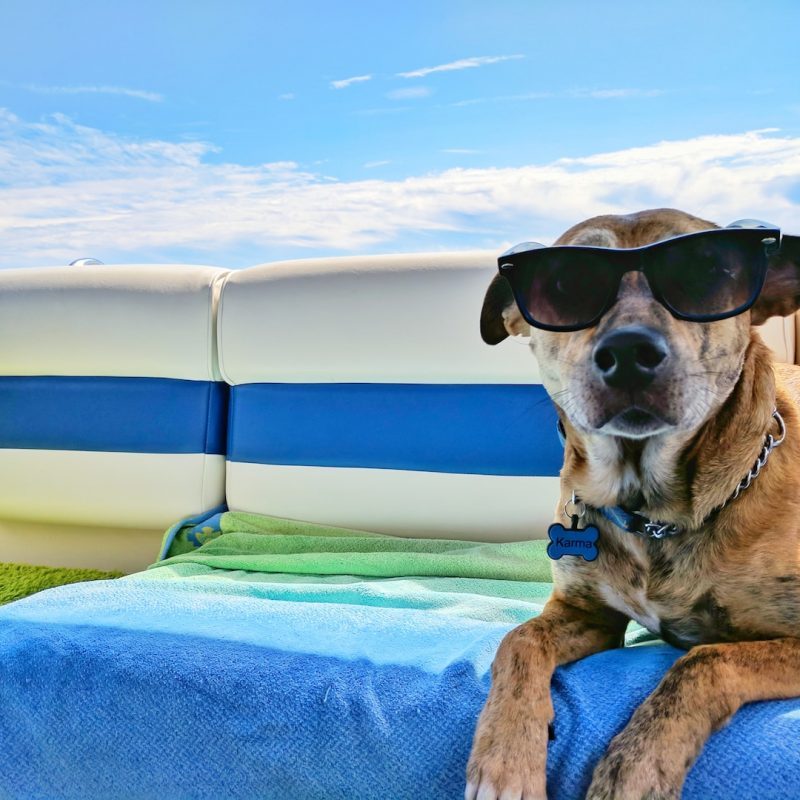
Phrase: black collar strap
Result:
[638,524]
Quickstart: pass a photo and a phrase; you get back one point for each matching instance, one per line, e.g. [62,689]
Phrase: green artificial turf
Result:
[20,580]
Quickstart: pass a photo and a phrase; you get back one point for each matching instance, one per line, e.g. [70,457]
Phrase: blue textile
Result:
[458,428]
[120,415]
[195,525]
[202,688]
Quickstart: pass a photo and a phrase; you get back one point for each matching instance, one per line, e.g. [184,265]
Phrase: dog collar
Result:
[640,525]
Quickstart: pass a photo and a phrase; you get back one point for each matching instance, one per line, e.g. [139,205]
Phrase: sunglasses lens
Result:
[709,276]
[565,288]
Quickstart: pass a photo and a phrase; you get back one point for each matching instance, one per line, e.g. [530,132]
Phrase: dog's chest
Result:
[685,625]
[635,604]
[684,610]
[671,597]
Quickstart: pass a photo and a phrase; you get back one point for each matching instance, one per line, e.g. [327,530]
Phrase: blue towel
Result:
[311,687]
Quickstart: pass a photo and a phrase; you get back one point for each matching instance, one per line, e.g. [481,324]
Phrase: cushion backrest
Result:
[779,335]
[112,411]
[363,396]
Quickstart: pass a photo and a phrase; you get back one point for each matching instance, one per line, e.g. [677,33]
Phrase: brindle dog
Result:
[727,589]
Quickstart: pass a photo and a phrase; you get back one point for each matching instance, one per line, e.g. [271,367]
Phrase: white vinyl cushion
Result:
[133,320]
[403,319]
[778,334]
[400,318]
[125,490]
[400,502]
[109,383]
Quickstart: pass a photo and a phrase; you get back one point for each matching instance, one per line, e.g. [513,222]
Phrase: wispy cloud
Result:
[373,164]
[615,94]
[343,84]
[286,96]
[591,94]
[410,93]
[372,112]
[503,98]
[139,94]
[461,151]
[462,63]
[67,189]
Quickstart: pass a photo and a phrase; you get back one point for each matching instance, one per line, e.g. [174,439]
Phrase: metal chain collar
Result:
[659,530]
[770,444]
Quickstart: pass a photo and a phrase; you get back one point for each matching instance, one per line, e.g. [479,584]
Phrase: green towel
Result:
[257,543]
[283,559]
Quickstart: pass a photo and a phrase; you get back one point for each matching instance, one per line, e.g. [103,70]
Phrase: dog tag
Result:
[572,541]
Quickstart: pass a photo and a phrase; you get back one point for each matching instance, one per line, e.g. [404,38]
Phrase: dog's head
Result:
[640,371]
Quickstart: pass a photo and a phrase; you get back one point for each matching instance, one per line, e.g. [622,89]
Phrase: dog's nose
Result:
[630,357]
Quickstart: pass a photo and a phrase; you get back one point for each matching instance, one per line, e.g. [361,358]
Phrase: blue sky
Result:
[240,132]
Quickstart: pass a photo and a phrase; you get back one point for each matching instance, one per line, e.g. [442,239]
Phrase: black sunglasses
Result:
[701,277]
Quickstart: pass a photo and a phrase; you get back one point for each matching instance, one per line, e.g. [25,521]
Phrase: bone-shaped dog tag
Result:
[572,541]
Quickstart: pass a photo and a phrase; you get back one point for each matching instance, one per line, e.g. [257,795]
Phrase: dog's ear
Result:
[500,316]
[781,293]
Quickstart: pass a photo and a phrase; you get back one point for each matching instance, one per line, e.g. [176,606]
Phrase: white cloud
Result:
[410,93]
[461,151]
[139,94]
[343,84]
[67,190]
[616,94]
[373,164]
[462,63]
[374,112]
[286,96]
[593,94]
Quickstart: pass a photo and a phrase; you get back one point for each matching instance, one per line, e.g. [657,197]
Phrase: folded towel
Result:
[194,681]
[259,543]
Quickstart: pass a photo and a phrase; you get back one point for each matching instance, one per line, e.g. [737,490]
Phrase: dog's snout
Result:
[630,357]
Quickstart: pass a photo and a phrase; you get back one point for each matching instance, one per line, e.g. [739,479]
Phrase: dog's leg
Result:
[699,694]
[510,745]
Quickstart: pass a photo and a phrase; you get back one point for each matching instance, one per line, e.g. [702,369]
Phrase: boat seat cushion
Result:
[112,410]
[363,396]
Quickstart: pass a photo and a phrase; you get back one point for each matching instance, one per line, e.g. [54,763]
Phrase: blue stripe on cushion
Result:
[494,429]
[125,415]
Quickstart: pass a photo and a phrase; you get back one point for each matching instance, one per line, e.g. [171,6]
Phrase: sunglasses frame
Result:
[634,259]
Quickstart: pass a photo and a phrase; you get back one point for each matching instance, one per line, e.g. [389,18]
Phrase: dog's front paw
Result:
[508,759]
[632,770]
